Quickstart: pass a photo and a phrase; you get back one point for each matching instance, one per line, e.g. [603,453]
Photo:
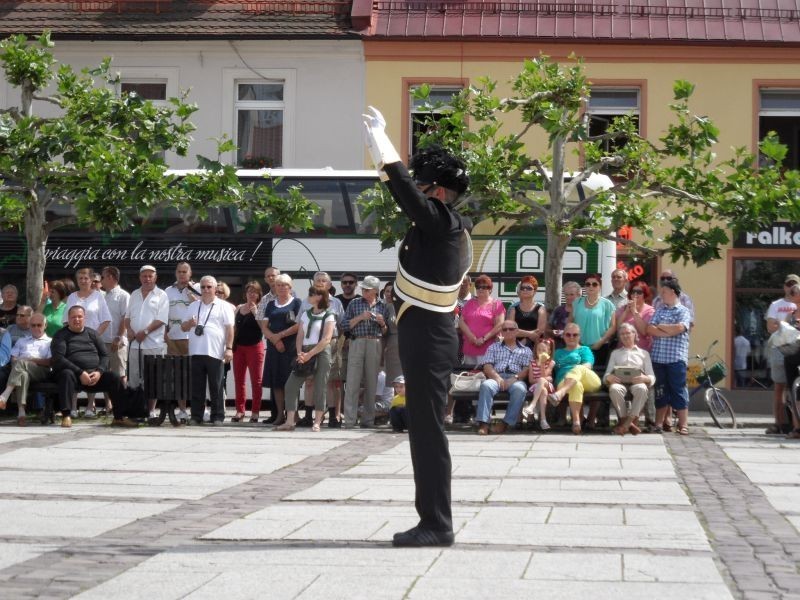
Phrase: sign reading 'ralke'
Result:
[777,236]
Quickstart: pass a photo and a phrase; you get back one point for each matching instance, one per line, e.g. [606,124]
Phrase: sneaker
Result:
[153,414]
[73,414]
[89,414]
[182,415]
[207,415]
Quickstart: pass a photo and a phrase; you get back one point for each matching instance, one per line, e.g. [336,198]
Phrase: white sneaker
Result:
[544,425]
[153,414]
[207,415]
[182,415]
[89,414]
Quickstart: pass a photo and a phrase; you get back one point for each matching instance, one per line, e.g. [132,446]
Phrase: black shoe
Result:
[397,429]
[270,420]
[417,537]
[334,423]
[306,421]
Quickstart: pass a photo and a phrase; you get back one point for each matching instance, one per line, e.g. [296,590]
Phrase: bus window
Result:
[173,221]
[354,188]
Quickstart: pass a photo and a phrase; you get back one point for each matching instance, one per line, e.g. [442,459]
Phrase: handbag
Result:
[307,368]
[466,381]
[786,339]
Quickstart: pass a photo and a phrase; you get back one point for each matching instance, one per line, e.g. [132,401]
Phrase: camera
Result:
[198,330]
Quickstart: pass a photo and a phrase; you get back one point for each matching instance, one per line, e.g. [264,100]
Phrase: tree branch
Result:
[668,190]
[17,189]
[56,223]
[536,208]
[525,101]
[537,164]
[13,112]
[572,186]
[606,136]
[607,235]
[51,99]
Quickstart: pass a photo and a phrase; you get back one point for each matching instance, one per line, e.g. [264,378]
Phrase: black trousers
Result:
[206,369]
[69,383]
[428,352]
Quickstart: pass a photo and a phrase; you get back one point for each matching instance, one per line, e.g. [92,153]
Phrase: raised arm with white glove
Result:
[380,147]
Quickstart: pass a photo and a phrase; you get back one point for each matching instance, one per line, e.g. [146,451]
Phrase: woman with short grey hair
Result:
[629,369]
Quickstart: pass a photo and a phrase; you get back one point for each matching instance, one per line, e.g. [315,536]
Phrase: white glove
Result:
[380,147]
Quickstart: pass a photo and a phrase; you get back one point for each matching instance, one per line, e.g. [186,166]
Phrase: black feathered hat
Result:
[436,166]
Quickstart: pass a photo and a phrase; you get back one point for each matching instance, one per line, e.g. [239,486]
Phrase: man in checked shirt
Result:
[506,368]
[365,319]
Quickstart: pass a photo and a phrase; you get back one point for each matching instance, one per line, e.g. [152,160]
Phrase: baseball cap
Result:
[399,379]
[795,278]
[147,268]
[371,283]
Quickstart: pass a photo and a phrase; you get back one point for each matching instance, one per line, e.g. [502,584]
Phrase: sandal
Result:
[315,427]
[483,429]
[683,430]
[254,419]
[576,428]
[237,417]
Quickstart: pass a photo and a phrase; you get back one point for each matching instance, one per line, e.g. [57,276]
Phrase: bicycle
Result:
[718,405]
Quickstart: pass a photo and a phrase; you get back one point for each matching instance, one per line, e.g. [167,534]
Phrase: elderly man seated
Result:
[629,370]
[506,368]
[22,324]
[30,360]
[80,358]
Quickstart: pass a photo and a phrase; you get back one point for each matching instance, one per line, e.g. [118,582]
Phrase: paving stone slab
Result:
[12,553]
[402,490]
[629,492]
[71,518]
[179,486]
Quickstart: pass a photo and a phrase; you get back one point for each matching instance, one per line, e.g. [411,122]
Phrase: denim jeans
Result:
[516,398]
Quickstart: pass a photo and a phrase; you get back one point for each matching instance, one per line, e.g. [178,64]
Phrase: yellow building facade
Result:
[729,82]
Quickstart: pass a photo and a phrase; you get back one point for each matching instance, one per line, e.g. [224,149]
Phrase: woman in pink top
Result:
[638,313]
[480,322]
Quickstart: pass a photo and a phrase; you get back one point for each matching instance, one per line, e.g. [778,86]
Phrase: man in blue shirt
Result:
[670,354]
[506,368]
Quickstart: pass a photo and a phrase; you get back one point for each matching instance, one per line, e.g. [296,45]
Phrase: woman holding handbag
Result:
[314,335]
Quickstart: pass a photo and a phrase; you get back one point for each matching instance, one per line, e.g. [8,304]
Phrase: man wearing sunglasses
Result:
[433,259]
[684,298]
[777,312]
[506,368]
[30,359]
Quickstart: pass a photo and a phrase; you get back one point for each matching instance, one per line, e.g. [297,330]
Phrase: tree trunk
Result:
[36,237]
[556,246]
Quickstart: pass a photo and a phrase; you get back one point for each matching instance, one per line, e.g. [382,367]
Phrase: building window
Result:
[259,110]
[779,111]
[153,90]
[607,103]
[420,118]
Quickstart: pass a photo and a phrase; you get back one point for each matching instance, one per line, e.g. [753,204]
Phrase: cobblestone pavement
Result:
[244,512]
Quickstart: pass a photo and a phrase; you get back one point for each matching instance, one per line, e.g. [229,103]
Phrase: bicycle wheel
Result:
[720,409]
[794,398]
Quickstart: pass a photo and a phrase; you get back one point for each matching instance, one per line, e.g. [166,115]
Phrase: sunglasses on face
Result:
[526,288]
[218,293]
[592,283]
[206,287]
[666,278]
[508,329]
[571,335]
[637,292]
[483,287]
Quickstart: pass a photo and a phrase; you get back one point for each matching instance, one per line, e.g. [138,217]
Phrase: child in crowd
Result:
[397,413]
[540,376]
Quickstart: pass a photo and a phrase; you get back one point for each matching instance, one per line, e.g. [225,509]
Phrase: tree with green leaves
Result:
[678,196]
[100,160]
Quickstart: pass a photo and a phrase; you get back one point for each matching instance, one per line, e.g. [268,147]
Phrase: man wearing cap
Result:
[365,319]
[434,256]
[670,327]
[777,312]
[145,321]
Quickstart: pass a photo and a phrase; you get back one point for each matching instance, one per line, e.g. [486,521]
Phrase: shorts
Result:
[671,385]
[776,366]
[118,360]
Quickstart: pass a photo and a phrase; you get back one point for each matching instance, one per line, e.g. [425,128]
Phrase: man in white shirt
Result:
[114,336]
[619,281]
[30,359]
[181,294]
[777,312]
[145,321]
[210,329]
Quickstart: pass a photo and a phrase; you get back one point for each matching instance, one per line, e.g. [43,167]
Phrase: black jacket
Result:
[78,352]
